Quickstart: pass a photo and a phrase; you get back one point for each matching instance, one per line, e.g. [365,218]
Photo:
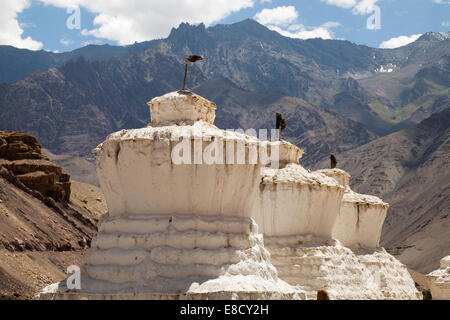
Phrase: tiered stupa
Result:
[193,214]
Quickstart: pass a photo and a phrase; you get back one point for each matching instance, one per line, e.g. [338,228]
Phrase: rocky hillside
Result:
[43,226]
[16,64]
[412,93]
[410,170]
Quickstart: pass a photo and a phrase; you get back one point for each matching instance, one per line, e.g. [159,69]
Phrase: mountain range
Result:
[260,60]
[355,101]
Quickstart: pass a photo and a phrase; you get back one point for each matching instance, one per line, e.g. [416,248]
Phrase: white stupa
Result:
[192,215]
[178,230]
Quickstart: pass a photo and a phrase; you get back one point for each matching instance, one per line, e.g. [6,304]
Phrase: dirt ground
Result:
[24,274]
[89,197]
[26,270]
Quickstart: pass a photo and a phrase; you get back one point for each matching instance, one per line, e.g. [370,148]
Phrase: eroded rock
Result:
[21,155]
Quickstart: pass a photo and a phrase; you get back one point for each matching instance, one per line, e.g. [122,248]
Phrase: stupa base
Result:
[186,296]
[176,257]
[285,292]
[313,264]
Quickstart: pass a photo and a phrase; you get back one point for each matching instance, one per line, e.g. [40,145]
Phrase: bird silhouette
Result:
[333,161]
[192,58]
[281,123]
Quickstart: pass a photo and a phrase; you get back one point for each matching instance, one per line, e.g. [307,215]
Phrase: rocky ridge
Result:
[21,158]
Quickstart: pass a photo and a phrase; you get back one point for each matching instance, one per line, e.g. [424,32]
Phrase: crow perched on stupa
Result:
[192,58]
[281,123]
[333,161]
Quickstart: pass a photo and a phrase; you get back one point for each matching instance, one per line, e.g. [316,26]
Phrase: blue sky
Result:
[42,24]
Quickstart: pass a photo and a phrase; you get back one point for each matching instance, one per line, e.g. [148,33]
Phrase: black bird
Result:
[281,123]
[333,161]
[192,58]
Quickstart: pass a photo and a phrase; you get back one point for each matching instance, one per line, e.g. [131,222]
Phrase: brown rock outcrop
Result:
[20,154]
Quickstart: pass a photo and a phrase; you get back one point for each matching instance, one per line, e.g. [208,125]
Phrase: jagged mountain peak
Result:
[185,28]
[244,29]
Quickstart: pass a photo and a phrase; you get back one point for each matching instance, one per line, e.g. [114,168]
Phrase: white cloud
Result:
[279,16]
[284,21]
[303,33]
[361,7]
[341,3]
[299,31]
[441,1]
[446,23]
[265,1]
[364,7]
[399,41]
[65,41]
[11,31]
[331,24]
[140,20]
